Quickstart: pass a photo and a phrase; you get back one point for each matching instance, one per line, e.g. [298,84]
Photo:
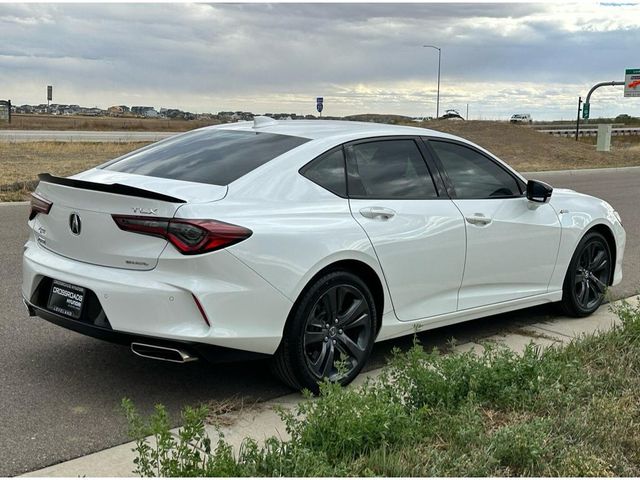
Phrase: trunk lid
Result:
[80,224]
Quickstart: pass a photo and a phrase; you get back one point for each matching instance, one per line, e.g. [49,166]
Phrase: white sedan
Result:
[306,242]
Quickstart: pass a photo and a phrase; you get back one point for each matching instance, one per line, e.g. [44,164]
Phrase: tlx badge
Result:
[145,211]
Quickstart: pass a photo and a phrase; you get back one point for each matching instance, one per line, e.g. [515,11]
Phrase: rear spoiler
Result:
[116,188]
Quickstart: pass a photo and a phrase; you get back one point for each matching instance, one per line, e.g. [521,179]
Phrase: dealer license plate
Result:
[66,299]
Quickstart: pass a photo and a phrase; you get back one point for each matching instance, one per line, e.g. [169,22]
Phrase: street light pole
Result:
[438,94]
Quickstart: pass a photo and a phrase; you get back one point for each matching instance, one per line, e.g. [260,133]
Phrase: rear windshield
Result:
[210,156]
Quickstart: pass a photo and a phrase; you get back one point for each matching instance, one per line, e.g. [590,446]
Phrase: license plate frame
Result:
[66,299]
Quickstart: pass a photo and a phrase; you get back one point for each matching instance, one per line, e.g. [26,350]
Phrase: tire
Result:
[587,277]
[335,316]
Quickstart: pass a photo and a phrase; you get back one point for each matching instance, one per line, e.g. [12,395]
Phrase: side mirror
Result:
[538,192]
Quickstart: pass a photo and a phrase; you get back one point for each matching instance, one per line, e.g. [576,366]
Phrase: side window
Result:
[388,169]
[328,171]
[473,175]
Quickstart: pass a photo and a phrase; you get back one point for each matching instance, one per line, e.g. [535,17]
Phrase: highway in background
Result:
[61,390]
[79,136]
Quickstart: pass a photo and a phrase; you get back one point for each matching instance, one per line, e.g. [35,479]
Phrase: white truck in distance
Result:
[521,118]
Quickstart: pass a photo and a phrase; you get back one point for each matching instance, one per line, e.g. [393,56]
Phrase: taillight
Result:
[190,237]
[39,204]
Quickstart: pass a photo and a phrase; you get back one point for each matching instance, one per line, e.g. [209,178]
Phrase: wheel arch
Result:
[356,267]
[607,233]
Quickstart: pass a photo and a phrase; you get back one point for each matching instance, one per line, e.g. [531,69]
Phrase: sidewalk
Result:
[260,421]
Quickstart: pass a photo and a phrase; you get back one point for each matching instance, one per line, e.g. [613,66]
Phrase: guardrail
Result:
[568,126]
[590,132]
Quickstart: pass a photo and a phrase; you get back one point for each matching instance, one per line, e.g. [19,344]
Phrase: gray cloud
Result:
[361,57]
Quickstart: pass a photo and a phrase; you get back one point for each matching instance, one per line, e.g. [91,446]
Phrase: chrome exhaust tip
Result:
[166,354]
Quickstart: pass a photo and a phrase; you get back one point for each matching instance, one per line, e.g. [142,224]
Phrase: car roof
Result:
[326,129]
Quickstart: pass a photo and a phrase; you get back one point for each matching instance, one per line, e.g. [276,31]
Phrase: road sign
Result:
[585,111]
[49,93]
[319,104]
[632,82]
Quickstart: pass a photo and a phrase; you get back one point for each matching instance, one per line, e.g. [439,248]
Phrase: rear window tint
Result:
[328,172]
[217,157]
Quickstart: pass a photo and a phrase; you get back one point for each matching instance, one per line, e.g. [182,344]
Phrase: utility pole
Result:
[438,94]
[578,118]
[467,111]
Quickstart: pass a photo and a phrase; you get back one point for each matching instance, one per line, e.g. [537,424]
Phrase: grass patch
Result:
[521,146]
[20,163]
[561,411]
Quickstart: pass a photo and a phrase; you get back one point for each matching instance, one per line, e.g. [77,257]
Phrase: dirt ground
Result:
[529,151]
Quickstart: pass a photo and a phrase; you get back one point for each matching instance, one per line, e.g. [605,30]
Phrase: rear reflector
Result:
[190,237]
[202,312]
[39,204]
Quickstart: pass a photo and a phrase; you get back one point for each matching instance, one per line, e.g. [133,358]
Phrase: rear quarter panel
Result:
[298,227]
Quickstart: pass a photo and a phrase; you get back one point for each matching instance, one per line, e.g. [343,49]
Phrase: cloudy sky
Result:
[363,58]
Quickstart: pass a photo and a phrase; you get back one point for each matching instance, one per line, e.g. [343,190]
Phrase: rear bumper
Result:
[211,353]
[244,311]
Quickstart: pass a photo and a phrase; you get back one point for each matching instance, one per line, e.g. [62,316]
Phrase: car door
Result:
[512,243]
[417,232]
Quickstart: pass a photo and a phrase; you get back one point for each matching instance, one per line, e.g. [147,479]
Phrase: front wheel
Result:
[588,276]
[330,333]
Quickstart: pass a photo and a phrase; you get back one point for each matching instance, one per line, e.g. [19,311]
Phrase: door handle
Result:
[478,219]
[377,213]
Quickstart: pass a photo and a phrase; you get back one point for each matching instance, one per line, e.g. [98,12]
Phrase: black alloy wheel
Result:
[337,329]
[588,276]
[330,333]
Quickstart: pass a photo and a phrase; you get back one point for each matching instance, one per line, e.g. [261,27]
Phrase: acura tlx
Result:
[306,242]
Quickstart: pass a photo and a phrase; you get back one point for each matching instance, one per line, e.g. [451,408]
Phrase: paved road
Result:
[78,136]
[60,391]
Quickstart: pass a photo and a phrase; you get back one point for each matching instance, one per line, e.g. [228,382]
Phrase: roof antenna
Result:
[263,121]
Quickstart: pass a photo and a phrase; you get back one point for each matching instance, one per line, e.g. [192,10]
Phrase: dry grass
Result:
[55,122]
[20,163]
[520,146]
[529,151]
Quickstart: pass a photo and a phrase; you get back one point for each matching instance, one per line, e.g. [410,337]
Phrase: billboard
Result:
[49,93]
[632,82]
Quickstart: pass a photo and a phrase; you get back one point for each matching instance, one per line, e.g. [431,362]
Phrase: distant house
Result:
[72,110]
[25,109]
[92,112]
[141,111]
[117,110]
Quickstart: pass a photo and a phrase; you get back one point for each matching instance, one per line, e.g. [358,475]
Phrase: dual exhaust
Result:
[167,354]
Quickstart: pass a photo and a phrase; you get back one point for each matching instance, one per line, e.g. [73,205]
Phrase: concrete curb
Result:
[260,421]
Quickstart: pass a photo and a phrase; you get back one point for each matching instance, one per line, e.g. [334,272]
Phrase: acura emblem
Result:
[75,224]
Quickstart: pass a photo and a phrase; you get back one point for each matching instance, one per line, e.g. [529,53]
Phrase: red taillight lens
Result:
[148,226]
[39,204]
[199,236]
[190,237]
